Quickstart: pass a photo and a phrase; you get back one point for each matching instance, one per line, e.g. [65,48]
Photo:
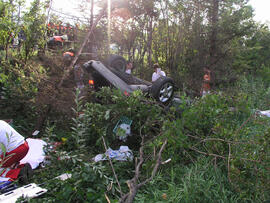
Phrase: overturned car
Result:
[112,74]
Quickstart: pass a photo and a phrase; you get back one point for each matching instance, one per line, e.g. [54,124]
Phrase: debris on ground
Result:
[28,191]
[123,128]
[36,154]
[64,176]
[265,113]
[123,154]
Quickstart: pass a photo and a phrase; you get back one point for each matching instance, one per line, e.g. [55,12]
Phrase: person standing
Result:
[206,82]
[68,57]
[157,73]
[129,67]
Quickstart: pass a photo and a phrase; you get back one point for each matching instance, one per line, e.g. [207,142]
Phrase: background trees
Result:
[183,36]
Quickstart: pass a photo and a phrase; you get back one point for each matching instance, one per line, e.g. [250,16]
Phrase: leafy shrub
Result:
[99,119]
[254,91]
[228,131]
[19,87]
[218,149]
[198,182]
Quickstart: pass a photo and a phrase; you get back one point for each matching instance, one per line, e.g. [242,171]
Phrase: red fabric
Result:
[206,85]
[11,158]
[13,173]
[15,155]
[68,53]
[58,38]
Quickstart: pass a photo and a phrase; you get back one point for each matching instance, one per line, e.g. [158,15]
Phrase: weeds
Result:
[218,149]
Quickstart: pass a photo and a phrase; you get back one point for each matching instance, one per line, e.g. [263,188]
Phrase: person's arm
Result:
[163,73]
[154,77]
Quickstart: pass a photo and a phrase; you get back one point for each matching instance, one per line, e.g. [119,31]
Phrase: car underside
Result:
[113,75]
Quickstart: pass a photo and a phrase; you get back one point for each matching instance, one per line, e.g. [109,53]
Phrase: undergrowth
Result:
[218,150]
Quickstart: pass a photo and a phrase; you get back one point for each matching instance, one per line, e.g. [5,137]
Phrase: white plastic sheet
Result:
[123,154]
[265,113]
[36,153]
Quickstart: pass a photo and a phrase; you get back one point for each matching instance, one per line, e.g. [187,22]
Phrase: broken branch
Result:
[105,146]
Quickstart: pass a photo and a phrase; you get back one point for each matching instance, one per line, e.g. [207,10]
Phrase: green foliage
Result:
[19,87]
[79,128]
[226,129]
[100,118]
[34,28]
[89,181]
[198,182]
[7,26]
[217,146]
[253,91]
[253,56]
[87,184]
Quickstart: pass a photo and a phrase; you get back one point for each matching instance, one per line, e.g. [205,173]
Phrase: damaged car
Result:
[111,73]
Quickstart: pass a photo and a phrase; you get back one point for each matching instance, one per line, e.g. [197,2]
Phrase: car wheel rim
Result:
[166,92]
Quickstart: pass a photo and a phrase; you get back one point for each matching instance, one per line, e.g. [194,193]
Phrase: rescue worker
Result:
[57,40]
[68,56]
[206,82]
[13,149]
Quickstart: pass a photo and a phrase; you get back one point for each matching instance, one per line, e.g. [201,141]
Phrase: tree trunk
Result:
[150,39]
[213,35]
[6,48]
[92,13]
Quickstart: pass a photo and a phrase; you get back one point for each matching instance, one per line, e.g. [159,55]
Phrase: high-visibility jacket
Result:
[68,53]
[58,38]
[206,82]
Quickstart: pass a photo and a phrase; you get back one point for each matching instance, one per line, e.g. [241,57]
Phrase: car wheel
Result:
[117,62]
[162,90]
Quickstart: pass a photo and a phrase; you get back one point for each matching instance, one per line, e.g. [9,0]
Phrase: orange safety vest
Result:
[58,38]
[68,53]
[206,81]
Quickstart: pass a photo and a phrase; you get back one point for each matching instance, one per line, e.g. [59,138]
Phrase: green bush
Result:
[99,119]
[19,87]
[198,182]
[223,128]
[218,149]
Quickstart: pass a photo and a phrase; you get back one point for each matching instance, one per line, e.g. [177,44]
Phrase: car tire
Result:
[162,90]
[117,62]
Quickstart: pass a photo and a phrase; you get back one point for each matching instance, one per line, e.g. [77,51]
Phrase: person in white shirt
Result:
[129,67]
[13,149]
[157,73]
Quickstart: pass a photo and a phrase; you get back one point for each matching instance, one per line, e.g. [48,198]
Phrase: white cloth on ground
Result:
[36,153]
[123,154]
[265,113]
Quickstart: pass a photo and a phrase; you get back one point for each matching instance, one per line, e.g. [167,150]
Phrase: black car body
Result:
[113,75]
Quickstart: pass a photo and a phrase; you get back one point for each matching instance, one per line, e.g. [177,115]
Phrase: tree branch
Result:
[112,166]
[66,73]
[132,184]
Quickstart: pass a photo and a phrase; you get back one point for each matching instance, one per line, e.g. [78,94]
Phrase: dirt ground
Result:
[52,99]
